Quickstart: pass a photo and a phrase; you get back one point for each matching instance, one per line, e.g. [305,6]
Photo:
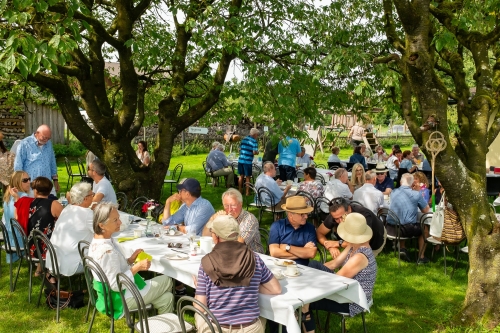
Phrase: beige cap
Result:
[225,227]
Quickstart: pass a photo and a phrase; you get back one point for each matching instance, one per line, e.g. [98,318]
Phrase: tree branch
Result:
[390,27]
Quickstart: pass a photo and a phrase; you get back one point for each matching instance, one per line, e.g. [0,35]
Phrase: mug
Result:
[206,244]
[292,270]
[289,182]
[137,233]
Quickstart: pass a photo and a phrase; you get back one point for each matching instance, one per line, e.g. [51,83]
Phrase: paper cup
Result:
[206,244]
[289,182]
[137,233]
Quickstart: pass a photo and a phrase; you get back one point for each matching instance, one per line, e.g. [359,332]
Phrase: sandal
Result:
[308,321]
[51,278]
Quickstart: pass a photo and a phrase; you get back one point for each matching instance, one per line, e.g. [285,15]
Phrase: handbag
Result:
[452,228]
[436,227]
[72,299]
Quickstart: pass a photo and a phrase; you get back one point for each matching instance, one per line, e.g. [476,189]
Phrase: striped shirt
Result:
[237,305]
[247,146]
[194,217]
[36,161]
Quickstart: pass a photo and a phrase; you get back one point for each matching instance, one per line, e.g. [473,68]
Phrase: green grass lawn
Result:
[407,299]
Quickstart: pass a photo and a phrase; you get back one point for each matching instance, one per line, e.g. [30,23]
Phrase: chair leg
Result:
[342,324]
[444,257]
[18,270]
[10,274]
[457,256]
[57,306]
[30,286]
[364,323]
[93,317]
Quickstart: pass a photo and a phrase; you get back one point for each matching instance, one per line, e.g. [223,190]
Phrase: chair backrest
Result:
[20,238]
[206,314]
[83,248]
[401,172]
[256,170]
[334,165]
[425,219]
[264,239]
[122,200]
[355,203]
[371,166]
[42,243]
[300,174]
[136,206]
[81,167]
[124,282]
[349,165]
[321,204]
[383,214]
[90,269]
[310,200]
[320,166]
[265,196]
[6,239]
[68,167]
[176,174]
[493,186]
[320,178]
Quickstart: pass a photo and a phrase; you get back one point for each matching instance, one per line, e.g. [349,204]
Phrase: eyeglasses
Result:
[25,180]
[230,206]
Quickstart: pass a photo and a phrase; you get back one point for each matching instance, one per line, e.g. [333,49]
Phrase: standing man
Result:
[270,152]
[102,187]
[248,148]
[230,279]
[384,184]
[219,165]
[195,211]
[368,195]
[35,155]
[289,150]
[293,237]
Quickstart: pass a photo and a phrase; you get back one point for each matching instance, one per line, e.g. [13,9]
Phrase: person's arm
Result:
[20,155]
[387,191]
[147,159]
[354,265]
[285,191]
[338,261]
[276,251]
[351,189]
[272,287]
[206,231]
[202,299]
[110,264]
[56,208]
[98,197]
[196,223]
[201,289]
[53,166]
[167,217]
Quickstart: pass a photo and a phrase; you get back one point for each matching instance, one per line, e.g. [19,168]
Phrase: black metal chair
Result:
[264,239]
[71,175]
[320,166]
[334,165]
[253,199]
[310,201]
[167,322]
[493,186]
[81,168]
[136,206]
[322,208]
[320,178]
[347,315]
[122,200]
[349,166]
[262,194]
[175,177]
[9,251]
[209,174]
[371,166]
[206,314]
[256,171]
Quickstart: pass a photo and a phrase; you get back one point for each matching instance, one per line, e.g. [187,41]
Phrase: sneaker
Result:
[180,292]
[403,255]
[422,261]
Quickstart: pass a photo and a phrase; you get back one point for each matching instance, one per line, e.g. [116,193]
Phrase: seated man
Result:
[338,211]
[195,211]
[303,158]
[266,180]
[384,184]
[417,155]
[404,203]
[368,195]
[102,187]
[230,279]
[219,165]
[340,186]
[73,225]
[293,237]
[232,201]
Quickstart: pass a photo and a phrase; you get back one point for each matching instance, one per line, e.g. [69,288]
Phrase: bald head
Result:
[43,134]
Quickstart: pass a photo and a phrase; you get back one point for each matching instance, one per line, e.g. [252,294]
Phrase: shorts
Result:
[245,169]
[406,230]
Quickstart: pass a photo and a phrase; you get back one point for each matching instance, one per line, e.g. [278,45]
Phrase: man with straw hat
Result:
[356,262]
[293,237]
[384,183]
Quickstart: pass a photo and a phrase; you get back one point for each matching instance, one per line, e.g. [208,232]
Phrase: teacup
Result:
[171,232]
[278,273]
[137,233]
[292,270]
[289,182]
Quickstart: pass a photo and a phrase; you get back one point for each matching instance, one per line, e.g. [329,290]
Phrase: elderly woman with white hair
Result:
[107,254]
[74,224]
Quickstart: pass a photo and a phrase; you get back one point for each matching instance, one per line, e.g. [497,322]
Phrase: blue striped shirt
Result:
[247,146]
[236,305]
[37,161]
[194,217]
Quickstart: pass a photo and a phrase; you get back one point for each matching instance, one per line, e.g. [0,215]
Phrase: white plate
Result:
[281,262]
[176,256]
[144,223]
[177,233]
[291,276]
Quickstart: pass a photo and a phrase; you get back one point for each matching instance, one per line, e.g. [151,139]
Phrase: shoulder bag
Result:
[436,227]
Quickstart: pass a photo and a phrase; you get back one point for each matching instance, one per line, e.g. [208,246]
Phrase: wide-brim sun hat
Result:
[354,229]
[297,204]
[381,168]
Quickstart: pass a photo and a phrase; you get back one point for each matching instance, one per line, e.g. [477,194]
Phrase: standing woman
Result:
[6,164]
[358,176]
[142,152]
[19,186]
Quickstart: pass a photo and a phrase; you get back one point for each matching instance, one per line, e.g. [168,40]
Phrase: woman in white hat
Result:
[356,262]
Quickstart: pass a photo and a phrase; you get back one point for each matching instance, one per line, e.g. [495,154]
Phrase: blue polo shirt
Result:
[387,183]
[288,153]
[282,232]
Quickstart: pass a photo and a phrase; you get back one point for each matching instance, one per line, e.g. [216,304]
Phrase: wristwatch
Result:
[340,242]
[287,248]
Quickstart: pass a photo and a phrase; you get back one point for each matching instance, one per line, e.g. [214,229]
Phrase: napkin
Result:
[124,239]
[143,255]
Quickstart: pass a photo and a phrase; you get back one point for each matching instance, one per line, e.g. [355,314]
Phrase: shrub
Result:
[74,149]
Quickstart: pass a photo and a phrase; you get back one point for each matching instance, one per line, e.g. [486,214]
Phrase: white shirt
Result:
[335,188]
[105,187]
[333,158]
[73,225]
[369,197]
[390,163]
[304,159]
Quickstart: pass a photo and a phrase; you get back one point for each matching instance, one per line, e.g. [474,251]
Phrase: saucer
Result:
[176,256]
[291,276]
[283,262]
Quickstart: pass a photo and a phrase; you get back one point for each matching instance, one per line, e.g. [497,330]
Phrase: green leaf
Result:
[54,41]
[23,68]
[10,63]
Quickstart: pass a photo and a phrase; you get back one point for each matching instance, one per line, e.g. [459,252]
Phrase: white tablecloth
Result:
[310,286]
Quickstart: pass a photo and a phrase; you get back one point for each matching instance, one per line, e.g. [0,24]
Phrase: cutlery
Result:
[178,251]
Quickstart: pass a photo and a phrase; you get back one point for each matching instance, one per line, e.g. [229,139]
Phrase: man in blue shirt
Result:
[289,150]
[266,180]
[384,184]
[248,148]
[293,237]
[404,203]
[218,164]
[195,211]
[35,156]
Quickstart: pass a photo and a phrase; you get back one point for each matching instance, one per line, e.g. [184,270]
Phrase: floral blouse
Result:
[314,187]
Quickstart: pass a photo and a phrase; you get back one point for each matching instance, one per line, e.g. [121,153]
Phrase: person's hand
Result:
[279,181]
[173,197]
[310,245]
[56,186]
[195,281]
[14,192]
[334,252]
[143,265]
[288,187]
[182,228]
[134,255]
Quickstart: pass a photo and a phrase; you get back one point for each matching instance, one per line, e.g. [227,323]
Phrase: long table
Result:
[310,286]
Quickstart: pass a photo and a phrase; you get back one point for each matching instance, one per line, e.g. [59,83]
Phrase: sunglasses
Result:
[25,180]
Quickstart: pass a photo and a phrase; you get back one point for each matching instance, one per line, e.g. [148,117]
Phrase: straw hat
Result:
[354,229]
[225,226]
[297,204]
[381,168]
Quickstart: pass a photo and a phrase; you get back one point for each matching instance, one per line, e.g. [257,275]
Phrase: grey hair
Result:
[101,215]
[215,144]
[415,146]
[221,147]
[369,175]
[339,172]
[78,192]
[99,167]
[233,193]
[267,166]
[254,131]
[407,179]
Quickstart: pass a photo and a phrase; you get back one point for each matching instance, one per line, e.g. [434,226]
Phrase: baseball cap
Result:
[225,227]
[191,185]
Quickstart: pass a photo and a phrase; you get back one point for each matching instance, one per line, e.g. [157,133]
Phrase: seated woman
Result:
[106,253]
[142,153]
[421,184]
[358,176]
[334,157]
[74,224]
[311,185]
[19,186]
[380,155]
[43,214]
[406,162]
[356,157]
[356,261]
[393,164]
